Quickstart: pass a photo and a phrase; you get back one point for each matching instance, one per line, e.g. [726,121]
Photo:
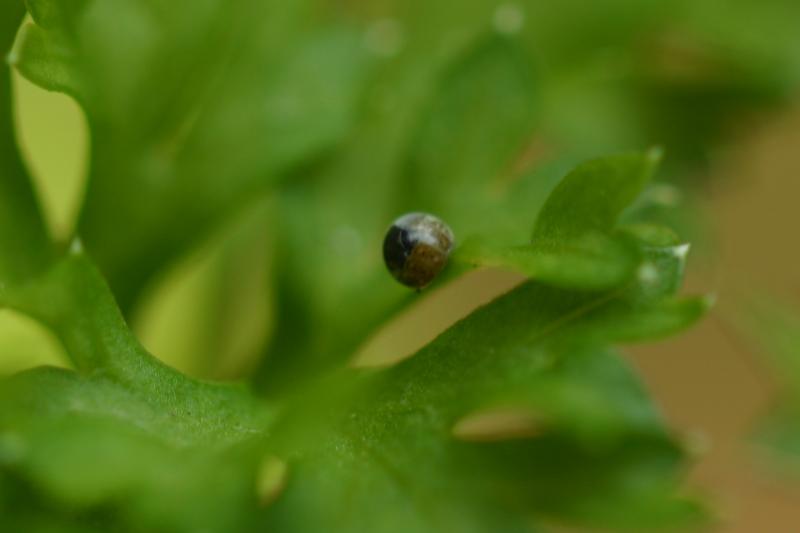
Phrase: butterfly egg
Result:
[416,248]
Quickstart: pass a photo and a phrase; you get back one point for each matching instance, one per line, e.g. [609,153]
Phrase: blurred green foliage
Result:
[773,327]
[315,124]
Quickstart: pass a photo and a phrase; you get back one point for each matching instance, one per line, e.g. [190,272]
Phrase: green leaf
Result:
[124,430]
[573,243]
[196,107]
[536,349]
[192,110]
[593,261]
[598,452]
[86,456]
[700,74]
[592,197]
[774,328]
[132,434]
[467,145]
[472,113]
[387,441]
[778,433]
[43,59]
[74,301]
[582,251]
[24,244]
[382,448]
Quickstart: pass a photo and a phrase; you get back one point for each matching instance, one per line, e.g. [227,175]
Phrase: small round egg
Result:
[416,248]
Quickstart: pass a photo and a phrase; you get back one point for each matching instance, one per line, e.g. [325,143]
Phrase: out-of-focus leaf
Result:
[761,37]
[24,244]
[779,432]
[210,314]
[74,301]
[701,72]
[472,136]
[680,74]
[124,429]
[192,108]
[774,328]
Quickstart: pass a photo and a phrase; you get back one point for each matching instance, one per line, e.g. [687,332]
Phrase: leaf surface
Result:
[193,107]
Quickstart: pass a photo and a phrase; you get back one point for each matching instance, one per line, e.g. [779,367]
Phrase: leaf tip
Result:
[681,251]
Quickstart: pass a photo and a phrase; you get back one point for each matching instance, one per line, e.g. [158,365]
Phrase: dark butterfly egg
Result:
[416,248]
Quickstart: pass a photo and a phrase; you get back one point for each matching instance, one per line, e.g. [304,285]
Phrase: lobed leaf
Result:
[384,442]
[575,243]
[774,328]
[597,451]
[24,241]
[124,430]
[194,107]
[178,96]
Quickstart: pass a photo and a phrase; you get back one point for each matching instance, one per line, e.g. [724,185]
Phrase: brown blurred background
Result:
[712,383]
